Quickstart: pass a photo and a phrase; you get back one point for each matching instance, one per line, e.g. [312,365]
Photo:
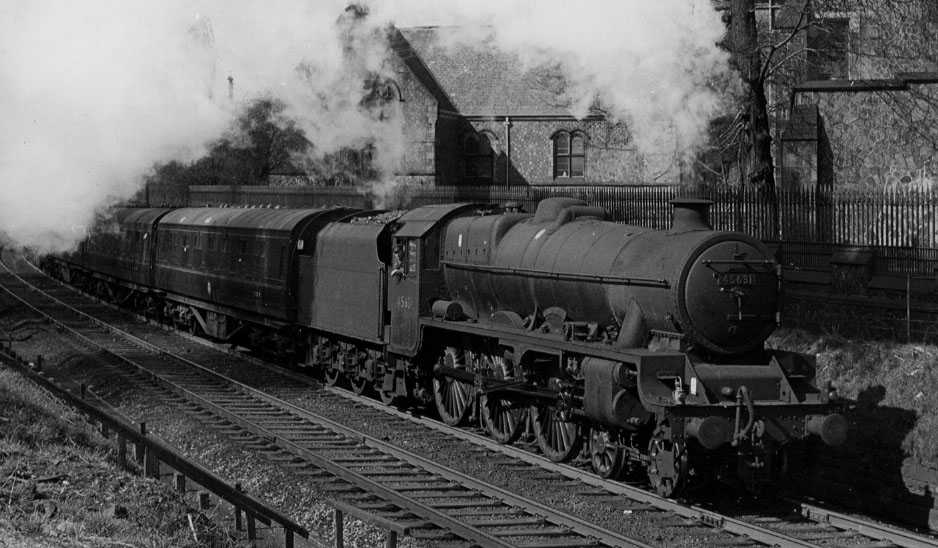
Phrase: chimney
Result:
[690,214]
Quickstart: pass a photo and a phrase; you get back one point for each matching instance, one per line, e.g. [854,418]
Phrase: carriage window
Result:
[283,259]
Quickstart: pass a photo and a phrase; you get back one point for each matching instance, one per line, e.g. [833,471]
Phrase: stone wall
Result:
[878,138]
[418,111]
[611,157]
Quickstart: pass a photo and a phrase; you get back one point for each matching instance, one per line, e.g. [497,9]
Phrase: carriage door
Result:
[404,295]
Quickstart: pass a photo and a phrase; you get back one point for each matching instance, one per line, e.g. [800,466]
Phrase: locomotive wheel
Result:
[453,397]
[558,439]
[503,420]
[360,385]
[332,376]
[667,469]
[609,460]
[388,398]
[453,400]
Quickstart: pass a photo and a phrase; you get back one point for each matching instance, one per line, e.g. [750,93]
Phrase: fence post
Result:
[908,307]
[252,529]
[237,510]
[339,529]
[151,465]
[179,480]
[140,447]
[122,450]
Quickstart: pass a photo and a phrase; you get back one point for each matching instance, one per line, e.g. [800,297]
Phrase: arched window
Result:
[569,154]
[478,157]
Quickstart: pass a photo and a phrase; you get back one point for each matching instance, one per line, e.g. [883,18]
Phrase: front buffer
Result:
[731,422]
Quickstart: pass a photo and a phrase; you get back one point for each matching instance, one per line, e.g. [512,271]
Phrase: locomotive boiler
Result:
[645,348]
[712,291]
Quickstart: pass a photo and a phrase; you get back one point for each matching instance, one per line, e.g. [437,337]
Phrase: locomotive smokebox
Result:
[690,214]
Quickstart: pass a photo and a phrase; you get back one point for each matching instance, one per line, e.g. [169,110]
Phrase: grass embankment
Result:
[60,487]
[895,385]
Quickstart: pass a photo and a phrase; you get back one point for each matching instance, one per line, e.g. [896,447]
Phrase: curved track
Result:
[370,473]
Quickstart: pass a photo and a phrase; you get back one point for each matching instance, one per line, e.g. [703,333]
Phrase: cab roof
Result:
[418,221]
[245,218]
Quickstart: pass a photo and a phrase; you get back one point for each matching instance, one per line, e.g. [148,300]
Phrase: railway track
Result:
[400,485]
[363,471]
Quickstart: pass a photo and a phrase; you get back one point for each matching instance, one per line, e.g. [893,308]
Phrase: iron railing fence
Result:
[900,225]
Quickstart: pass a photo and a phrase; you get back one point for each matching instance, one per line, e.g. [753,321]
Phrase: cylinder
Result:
[710,432]
[832,429]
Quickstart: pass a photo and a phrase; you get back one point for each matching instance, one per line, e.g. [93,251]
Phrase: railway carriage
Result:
[117,263]
[227,269]
[645,346]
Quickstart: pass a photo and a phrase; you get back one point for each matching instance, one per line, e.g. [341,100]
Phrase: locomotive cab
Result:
[416,279]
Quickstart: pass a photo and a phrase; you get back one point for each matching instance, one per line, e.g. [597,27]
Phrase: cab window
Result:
[405,256]
[431,252]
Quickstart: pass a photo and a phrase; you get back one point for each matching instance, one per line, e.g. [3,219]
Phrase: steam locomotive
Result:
[643,347]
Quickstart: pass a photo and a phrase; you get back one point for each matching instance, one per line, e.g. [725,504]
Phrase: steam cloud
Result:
[92,94]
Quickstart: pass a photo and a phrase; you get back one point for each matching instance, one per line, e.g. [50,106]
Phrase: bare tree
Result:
[758,58]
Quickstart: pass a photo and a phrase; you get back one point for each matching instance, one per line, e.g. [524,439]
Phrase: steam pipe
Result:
[575,212]
[742,398]
[633,329]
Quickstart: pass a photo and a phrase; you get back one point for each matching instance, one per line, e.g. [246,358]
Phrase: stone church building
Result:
[472,117]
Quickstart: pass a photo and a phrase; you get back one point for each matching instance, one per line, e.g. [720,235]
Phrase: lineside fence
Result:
[148,452]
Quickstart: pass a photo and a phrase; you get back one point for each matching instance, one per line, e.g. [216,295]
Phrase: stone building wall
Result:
[418,111]
[877,138]
[875,122]
[610,156]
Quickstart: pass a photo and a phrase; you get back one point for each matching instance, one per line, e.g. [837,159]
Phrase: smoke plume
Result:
[92,94]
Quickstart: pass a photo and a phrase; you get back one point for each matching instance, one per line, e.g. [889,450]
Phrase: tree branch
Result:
[800,25]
